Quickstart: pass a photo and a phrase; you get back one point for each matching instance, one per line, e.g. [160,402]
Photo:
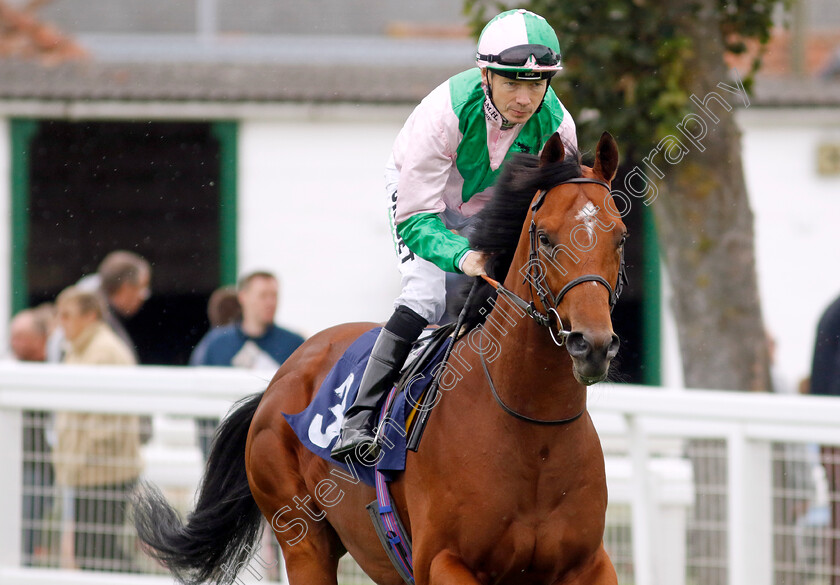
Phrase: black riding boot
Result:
[386,358]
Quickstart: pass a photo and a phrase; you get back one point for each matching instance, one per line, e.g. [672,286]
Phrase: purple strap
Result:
[399,542]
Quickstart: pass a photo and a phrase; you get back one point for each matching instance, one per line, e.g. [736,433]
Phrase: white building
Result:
[216,155]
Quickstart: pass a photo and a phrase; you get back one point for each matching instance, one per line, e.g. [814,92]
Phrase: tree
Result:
[654,74]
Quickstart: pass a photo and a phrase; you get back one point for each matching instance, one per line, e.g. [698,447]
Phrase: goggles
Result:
[520,55]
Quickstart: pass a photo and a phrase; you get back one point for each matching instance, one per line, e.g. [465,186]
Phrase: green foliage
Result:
[626,61]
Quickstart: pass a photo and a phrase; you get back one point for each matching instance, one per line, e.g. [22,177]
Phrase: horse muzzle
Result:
[591,355]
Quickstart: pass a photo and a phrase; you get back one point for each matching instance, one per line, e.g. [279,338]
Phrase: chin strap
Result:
[488,94]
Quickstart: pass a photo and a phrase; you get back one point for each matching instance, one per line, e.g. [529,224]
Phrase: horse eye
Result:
[544,240]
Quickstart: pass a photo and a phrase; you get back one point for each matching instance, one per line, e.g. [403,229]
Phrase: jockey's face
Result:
[516,100]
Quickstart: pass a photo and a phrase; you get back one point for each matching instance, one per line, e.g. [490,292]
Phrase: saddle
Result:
[319,424]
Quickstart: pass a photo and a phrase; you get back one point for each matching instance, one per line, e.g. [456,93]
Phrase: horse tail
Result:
[218,536]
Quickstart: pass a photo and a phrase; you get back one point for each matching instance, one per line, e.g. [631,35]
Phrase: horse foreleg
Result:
[448,569]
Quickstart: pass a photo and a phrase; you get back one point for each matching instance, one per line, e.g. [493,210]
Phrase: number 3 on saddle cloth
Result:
[318,426]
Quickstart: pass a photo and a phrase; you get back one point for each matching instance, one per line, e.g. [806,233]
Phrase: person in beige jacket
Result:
[97,456]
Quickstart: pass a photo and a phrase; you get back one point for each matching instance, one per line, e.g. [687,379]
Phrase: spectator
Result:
[254,341]
[222,309]
[825,369]
[97,456]
[122,280]
[28,332]
[825,380]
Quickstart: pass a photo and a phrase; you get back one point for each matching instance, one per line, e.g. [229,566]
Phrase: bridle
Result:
[550,301]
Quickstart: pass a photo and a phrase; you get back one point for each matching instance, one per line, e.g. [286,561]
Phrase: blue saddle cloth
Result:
[319,424]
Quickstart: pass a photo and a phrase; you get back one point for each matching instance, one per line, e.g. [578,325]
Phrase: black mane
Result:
[497,227]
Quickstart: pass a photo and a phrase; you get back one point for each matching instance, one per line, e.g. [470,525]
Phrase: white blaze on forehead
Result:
[586,216]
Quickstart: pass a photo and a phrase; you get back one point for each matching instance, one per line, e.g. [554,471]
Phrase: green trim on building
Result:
[227,135]
[651,302]
[21,133]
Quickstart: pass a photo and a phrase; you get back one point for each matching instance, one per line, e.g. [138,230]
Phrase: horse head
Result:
[575,266]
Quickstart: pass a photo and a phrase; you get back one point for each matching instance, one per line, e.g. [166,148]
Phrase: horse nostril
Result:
[612,350]
[577,345]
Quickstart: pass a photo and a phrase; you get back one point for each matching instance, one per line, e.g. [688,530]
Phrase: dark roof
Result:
[273,83]
[223,82]
[305,68]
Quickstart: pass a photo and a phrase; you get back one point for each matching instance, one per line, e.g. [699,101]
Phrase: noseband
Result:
[550,301]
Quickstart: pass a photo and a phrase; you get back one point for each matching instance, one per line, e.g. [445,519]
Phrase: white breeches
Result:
[423,283]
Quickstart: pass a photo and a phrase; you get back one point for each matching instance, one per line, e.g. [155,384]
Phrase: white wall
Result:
[5,236]
[796,215]
[312,209]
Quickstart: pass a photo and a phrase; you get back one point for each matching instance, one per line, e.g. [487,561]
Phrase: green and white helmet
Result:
[520,45]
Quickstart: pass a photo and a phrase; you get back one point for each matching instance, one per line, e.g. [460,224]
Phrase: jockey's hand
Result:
[474,263]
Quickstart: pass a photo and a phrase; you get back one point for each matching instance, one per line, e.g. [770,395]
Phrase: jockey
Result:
[441,171]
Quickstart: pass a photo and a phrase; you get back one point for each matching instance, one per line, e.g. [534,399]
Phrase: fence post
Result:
[750,510]
[11,488]
[640,507]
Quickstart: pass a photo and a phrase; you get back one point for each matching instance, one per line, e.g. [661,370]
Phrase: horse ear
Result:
[553,150]
[606,157]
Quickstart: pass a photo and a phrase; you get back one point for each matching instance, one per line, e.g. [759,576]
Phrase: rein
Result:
[522,417]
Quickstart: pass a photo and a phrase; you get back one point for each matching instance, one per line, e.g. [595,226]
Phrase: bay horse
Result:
[508,485]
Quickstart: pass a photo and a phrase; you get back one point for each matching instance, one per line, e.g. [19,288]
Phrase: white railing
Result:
[644,431]
[153,391]
[749,424]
